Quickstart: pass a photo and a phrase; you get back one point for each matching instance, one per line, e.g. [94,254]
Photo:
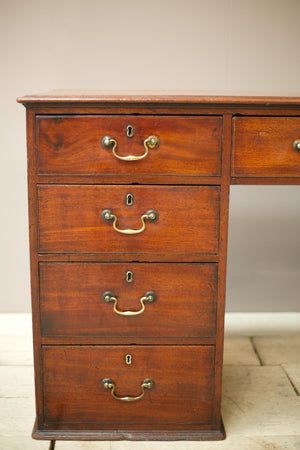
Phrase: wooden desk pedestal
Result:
[128,206]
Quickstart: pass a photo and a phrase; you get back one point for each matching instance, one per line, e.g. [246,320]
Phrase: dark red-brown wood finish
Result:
[70,219]
[93,321]
[263,147]
[182,393]
[72,302]
[188,145]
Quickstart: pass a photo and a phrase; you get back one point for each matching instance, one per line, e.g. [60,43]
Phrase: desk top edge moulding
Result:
[158,96]
[128,220]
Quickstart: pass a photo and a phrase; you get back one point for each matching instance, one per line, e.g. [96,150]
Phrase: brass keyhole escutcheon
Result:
[130,131]
[128,359]
[129,199]
[129,276]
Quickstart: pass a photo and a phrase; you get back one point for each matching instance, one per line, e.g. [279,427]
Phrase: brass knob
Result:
[296,145]
[107,142]
[152,142]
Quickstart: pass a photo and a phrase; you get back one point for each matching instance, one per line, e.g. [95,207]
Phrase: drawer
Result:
[72,301]
[263,146]
[182,392]
[189,146]
[71,219]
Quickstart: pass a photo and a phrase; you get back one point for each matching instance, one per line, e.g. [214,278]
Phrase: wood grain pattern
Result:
[70,219]
[74,395]
[72,145]
[263,146]
[71,300]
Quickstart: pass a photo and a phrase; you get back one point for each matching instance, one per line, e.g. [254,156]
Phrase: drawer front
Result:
[72,304]
[263,146]
[188,146]
[74,396]
[70,219]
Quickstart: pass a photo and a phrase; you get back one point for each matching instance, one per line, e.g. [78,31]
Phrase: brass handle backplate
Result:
[108,216]
[296,145]
[111,143]
[109,297]
[107,383]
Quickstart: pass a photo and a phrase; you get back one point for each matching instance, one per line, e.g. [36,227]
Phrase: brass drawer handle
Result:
[107,383]
[108,216]
[296,145]
[109,297]
[109,142]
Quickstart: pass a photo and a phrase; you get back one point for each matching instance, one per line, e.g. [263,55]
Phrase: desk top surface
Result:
[165,97]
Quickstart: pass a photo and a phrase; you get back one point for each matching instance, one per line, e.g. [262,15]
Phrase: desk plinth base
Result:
[131,435]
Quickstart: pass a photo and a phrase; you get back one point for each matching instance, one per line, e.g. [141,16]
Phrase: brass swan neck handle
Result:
[109,297]
[108,216]
[107,383]
[150,142]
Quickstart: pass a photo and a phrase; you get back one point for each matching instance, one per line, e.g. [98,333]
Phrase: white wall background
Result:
[237,45]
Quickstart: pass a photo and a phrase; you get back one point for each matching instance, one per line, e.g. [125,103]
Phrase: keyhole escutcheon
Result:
[128,359]
[129,131]
[129,199]
[129,276]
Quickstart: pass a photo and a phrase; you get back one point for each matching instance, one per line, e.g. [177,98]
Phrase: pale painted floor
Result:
[261,385]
